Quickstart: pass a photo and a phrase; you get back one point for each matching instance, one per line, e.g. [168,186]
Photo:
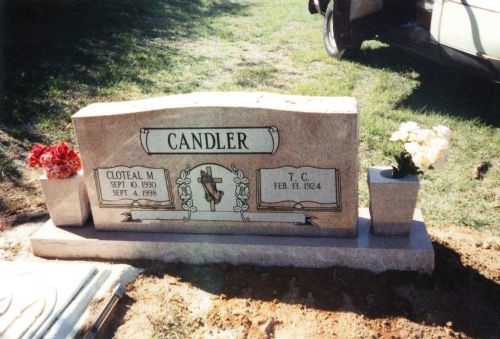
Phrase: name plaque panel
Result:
[306,188]
[222,140]
[136,186]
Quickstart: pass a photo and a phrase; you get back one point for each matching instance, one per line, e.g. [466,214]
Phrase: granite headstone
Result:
[222,163]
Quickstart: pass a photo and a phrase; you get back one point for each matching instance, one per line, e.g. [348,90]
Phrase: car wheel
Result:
[328,34]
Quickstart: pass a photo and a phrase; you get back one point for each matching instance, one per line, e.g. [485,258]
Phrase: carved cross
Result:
[215,180]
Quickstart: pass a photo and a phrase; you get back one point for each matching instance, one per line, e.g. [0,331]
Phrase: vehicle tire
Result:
[328,34]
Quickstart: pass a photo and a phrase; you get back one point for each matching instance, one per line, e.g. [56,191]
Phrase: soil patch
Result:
[20,200]
[461,299]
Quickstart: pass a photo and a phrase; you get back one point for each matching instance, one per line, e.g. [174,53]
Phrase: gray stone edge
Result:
[366,251]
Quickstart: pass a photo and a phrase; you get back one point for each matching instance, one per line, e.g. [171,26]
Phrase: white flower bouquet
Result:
[423,148]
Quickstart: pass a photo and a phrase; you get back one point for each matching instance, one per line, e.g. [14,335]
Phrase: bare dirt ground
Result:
[28,205]
[20,200]
[461,299]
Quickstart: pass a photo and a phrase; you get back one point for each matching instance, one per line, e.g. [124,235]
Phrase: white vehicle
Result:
[463,33]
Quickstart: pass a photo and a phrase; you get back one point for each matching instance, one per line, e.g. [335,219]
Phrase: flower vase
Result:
[392,201]
[66,199]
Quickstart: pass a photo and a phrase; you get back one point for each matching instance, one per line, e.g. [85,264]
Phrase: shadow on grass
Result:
[454,293]
[60,53]
[443,89]
[8,170]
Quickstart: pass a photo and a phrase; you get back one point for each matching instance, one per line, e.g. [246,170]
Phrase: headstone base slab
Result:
[366,251]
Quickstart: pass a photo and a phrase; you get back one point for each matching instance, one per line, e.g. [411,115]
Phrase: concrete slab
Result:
[25,277]
[38,293]
[80,314]
[51,299]
[366,251]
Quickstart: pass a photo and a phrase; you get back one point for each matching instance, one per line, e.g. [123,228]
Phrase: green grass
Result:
[63,55]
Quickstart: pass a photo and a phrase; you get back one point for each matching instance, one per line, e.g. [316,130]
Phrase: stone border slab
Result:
[66,289]
[366,251]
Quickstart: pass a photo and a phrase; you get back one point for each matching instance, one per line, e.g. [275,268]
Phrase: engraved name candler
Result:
[221,140]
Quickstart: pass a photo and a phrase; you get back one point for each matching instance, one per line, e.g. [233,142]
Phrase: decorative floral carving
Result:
[185,193]
[242,193]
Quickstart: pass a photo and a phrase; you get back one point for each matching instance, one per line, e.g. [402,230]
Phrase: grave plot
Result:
[253,178]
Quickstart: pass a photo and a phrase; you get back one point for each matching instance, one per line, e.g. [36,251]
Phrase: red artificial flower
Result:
[58,162]
[34,156]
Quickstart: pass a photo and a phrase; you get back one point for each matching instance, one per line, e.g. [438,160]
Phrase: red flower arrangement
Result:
[58,162]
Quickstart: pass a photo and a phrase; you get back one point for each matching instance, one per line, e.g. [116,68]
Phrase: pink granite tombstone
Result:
[222,163]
